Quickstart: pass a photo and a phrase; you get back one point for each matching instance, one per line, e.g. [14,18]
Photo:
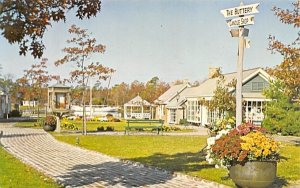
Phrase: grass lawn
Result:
[26,124]
[92,125]
[14,173]
[177,153]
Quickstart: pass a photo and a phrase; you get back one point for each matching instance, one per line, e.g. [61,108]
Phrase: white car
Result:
[103,119]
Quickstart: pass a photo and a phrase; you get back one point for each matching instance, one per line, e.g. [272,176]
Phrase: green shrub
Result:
[286,122]
[103,129]
[110,128]
[183,122]
[170,128]
[100,129]
[15,113]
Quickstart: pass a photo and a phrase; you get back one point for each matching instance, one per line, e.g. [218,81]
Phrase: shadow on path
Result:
[22,135]
[179,162]
[114,173]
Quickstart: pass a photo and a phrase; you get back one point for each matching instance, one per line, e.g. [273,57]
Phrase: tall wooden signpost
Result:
[237,30]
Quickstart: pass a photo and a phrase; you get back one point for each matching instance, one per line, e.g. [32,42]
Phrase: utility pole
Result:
[239,22]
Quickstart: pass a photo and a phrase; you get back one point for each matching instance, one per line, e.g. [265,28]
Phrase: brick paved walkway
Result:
[75,167]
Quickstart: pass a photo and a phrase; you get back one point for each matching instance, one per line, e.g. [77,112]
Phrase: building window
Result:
[257,86]
[172,115]
[253,111]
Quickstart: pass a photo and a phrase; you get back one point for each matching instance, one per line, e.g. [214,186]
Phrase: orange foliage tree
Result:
[289,70]
[25,22]
[82,48]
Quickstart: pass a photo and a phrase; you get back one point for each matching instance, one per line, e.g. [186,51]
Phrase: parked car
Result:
[103,119]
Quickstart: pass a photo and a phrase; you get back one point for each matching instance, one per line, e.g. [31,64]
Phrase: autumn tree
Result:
[153,89]
[119,94]
[289,70]
[80,51]
[25,22]
[136,88]
[36,79]
[282,114]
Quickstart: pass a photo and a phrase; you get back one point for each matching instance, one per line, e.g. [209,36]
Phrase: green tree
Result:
[25,22]
[223,101]
[281,116]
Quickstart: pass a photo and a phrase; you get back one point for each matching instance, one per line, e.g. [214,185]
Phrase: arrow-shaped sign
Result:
[241,21]
[241,10]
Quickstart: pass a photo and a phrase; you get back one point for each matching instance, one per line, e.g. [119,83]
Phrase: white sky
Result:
[171,39]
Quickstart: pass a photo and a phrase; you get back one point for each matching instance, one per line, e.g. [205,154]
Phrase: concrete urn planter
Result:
[254,174]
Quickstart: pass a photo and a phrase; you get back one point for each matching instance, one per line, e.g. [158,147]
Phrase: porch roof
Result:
[137,101]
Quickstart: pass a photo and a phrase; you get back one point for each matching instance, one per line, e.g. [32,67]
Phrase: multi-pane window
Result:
[194,111]
[253,111]
[172,115]
[257,86]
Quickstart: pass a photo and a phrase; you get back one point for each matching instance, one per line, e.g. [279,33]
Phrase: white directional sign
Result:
[241,21]
[241,10]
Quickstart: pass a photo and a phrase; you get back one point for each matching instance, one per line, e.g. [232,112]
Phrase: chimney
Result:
[213,72]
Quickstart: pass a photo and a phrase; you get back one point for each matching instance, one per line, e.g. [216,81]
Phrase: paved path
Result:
[75,167]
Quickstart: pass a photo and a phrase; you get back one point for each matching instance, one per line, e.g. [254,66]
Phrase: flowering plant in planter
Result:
[50,120]
[224,124]
[50,123]
[238,146]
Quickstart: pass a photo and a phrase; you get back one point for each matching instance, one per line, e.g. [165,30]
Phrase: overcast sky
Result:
[171,39]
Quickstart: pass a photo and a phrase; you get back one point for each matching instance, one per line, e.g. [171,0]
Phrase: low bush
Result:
[100,129]
[15,113]
[110,128]
[170,128]
[103,129]
[183,122]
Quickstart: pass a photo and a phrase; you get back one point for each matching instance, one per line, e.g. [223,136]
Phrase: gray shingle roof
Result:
[173,103]
[171,93]
[208,86]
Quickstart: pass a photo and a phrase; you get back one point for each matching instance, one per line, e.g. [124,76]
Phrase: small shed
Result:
[138,108]
[59,98]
